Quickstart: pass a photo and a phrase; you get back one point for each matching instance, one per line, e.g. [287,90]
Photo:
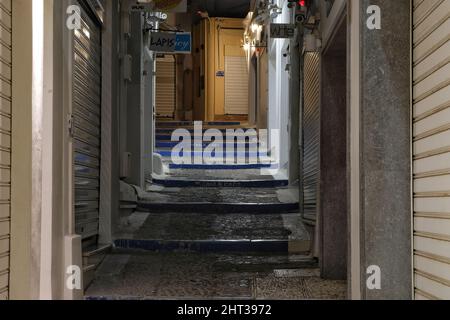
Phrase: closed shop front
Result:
[431,127]
[165,86]
[87,84]
[311,137]
[5,144]
[236,85]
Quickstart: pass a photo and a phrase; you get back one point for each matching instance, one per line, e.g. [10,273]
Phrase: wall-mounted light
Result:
[203,14]
[246,42]
[274,11]
[254,27]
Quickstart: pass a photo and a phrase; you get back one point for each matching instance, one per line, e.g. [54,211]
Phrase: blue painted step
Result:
[172,144]
[245,154]
[174,183]
[191,123]
[217,208]
[205,246]
[222,166]
[170,130]
[168,137]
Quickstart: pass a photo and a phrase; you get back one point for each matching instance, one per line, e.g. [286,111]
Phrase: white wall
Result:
[278,115]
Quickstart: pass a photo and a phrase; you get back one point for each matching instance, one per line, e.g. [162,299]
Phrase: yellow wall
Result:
[199,56]
[222,37]
[263,90]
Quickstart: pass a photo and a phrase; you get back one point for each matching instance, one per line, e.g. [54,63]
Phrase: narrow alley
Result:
[208,233]
[186,150]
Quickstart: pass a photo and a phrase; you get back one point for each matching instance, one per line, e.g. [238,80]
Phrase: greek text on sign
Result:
[171,42]
[282,31]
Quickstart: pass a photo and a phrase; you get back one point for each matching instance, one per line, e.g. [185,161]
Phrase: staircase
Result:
[245,169]
[245,151]
[205,232]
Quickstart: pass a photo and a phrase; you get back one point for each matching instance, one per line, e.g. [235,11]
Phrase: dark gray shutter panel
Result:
[311,137]
[86,125]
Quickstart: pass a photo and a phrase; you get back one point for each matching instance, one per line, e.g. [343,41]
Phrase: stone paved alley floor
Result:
[143,275]
[161,258]
[208,233]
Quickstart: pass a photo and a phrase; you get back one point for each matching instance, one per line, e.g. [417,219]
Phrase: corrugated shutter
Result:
[165,87]
[431,76]
[311,137]
[87,133]
[236,85]
[5,144]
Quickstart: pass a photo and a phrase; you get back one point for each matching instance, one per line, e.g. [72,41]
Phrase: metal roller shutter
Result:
[86,123]
[5,144]
[431,125]
[236,86]
[311,137]
[165,87]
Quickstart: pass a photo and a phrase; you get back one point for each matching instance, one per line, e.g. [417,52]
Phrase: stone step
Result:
[212,226]
[92,258]
[184,183]
[168,137]
[94,255]
[185,178]
[217,207]
[236,144]
[214,232]
[219,200]
[191,154]
[281,264]
[236,166]
[208,246]
[162,130]
[160,124]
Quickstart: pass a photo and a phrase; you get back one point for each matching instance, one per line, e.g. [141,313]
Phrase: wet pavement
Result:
[220,195]
[219,200]
[216,239]
[143,275]
[208,175]
[194,226]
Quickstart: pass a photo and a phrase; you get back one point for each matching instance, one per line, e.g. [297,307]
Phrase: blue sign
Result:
[171,42]
[183,43]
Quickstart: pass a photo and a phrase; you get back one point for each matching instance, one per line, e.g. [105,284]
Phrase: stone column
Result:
[333,158]
[110,166]
[134,103]
[385,147]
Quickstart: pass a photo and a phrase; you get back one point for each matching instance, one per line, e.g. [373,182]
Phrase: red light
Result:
[302,3]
